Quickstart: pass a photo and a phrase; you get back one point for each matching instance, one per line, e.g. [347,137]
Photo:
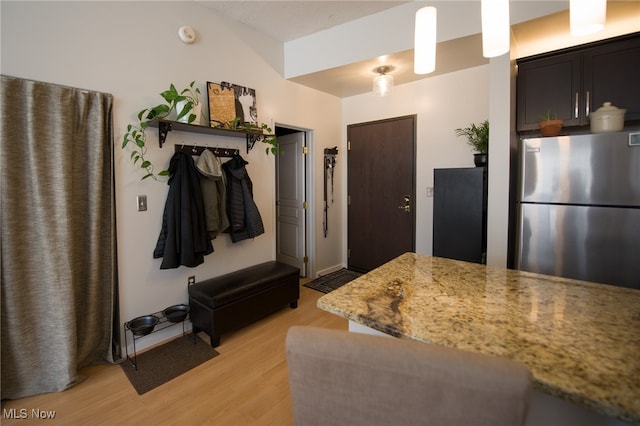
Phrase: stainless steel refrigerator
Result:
[579,208]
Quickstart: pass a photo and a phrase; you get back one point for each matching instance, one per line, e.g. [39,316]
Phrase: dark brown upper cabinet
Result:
[573,82]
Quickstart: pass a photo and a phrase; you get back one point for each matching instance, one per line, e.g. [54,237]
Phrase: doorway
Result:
[292,193]
[381,191]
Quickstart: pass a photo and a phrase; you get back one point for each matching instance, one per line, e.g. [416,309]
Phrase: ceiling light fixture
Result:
[424,60]
[496,38]
[587,16]
[383,82]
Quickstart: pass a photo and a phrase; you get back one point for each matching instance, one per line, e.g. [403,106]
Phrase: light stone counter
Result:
[581,341]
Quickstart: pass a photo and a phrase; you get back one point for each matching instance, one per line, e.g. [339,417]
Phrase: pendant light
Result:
[496,38]
[424,60]
[587,16]
[383,82]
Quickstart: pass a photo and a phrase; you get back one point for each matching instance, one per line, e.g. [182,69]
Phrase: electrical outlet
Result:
[191,280]
[142,203]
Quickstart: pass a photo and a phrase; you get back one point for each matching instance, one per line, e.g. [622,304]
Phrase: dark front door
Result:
[381,191]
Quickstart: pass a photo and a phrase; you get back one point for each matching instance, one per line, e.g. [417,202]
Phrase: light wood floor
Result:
[247,384]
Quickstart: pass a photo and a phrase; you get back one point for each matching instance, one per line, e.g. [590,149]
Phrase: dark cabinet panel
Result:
[611,74]
[573,82]
[460,214]
[548,84]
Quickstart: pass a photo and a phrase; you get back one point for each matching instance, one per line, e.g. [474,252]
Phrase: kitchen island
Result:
[581,341]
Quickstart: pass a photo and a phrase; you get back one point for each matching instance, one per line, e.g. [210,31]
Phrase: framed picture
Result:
[229,101]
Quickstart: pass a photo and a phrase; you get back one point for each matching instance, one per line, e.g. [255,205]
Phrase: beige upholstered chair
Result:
[342,378]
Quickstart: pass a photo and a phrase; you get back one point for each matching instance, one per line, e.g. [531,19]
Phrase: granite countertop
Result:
[581,341]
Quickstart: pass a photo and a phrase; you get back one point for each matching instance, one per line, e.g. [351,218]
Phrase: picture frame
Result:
[228,101]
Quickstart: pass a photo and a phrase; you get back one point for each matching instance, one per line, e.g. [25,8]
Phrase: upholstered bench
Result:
[231,301]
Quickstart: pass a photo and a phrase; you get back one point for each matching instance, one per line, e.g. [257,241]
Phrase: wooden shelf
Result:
[165,126]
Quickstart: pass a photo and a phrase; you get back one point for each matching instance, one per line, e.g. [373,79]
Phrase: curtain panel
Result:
[59,292]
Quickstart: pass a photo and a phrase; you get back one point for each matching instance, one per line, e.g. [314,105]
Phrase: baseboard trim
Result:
[329,270]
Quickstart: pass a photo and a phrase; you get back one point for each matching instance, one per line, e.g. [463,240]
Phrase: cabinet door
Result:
[459,214]
[611,75]
[550,83]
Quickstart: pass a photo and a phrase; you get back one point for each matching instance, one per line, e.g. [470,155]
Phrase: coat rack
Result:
[330,155]
[197,150]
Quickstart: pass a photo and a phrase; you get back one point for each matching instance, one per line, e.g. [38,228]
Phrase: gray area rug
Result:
[328,283]
[163,363]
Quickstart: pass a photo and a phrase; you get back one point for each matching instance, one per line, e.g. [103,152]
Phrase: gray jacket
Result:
[213,193]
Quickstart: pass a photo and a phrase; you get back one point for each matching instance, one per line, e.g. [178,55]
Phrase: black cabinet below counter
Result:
[460,214]
[573,82]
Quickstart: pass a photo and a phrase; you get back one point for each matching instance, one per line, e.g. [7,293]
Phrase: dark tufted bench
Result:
[231,301]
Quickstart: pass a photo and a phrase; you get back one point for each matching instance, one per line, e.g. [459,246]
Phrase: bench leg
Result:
[215,341]
[293,304]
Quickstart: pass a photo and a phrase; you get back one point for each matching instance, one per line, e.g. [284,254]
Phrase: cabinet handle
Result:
[586,109]
[575,111]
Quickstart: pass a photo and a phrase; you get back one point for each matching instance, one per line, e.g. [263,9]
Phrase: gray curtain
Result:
[58,235]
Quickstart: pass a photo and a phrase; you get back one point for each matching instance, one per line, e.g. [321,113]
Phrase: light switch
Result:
[142,203]
[429,191]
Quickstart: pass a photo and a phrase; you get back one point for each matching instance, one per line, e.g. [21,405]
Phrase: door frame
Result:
[308,171]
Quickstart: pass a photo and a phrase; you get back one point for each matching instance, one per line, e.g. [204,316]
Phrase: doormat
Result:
[163,363]
[328,283]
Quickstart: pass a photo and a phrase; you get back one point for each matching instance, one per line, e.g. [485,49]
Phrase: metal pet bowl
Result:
[144,325]
[176,313]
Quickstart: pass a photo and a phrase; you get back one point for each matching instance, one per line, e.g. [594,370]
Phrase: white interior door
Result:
[290,199]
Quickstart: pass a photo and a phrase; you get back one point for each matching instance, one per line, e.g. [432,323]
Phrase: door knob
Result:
[407,204]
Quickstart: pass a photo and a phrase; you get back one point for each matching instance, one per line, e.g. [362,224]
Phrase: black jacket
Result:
[244,218]
[183,239]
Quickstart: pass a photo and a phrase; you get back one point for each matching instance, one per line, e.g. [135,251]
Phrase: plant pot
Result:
[551,127]
[195,110]
[480,160]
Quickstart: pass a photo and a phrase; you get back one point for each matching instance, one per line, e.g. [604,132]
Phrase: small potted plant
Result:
[182,102]
[189,109]
[478,138]
[550,125]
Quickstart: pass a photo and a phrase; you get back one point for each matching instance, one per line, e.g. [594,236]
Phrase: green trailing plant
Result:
[136,133]
[264,133]
[477,136]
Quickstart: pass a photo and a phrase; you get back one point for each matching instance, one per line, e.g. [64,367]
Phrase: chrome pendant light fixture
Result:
[496,37]
[587,16]
[424,60]
[383,82]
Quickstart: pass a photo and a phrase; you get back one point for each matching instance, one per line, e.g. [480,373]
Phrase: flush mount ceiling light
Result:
[424,60]
[383,82]
[495,27]
[587,16]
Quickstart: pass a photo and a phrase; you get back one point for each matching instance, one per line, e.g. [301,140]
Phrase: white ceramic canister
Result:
[607,119]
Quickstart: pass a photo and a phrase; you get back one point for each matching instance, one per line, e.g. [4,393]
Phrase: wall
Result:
[442,103]
[131,49]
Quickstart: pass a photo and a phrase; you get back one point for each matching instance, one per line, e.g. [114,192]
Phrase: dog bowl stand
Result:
[163,322]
